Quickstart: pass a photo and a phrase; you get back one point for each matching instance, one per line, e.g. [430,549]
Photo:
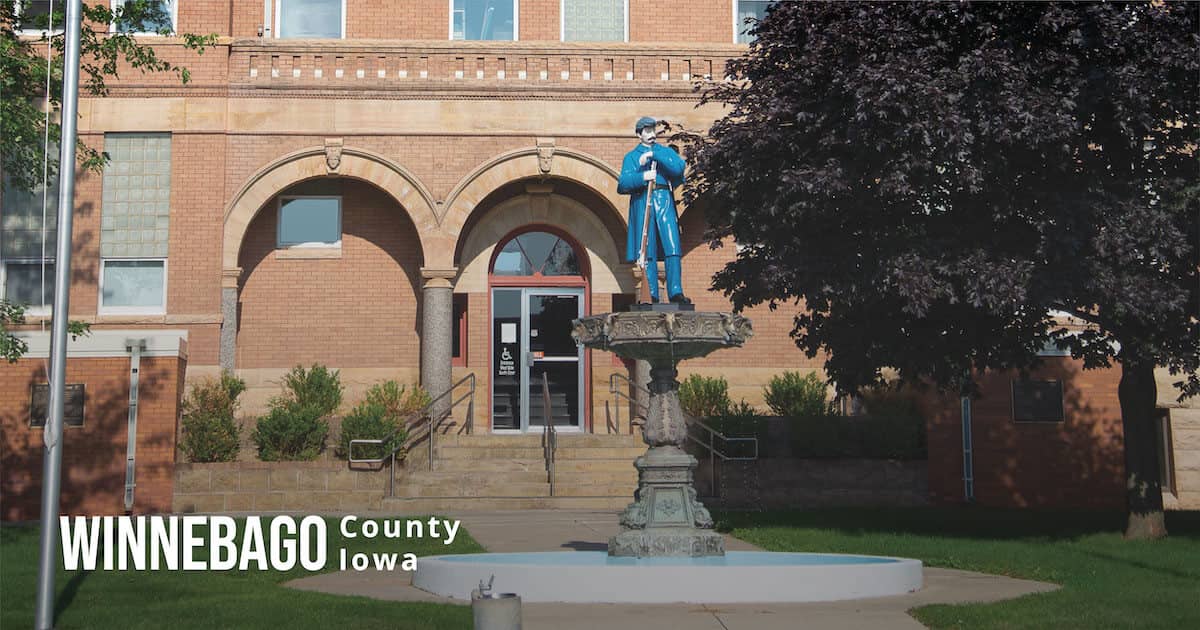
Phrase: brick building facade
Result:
[345,181]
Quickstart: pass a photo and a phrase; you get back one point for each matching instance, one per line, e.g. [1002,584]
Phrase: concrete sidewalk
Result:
[557,530]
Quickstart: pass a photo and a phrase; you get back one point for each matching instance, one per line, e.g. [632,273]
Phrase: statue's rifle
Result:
[646,227]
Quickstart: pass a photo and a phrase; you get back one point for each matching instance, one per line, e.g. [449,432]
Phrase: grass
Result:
[230,599]
[1107,582]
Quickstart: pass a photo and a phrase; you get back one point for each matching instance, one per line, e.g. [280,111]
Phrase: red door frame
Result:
[537,281]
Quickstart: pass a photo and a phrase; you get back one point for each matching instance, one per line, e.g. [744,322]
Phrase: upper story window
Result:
[145,17]
[483,19]
[743,10]
[595,20]
[316,19]
[34,17]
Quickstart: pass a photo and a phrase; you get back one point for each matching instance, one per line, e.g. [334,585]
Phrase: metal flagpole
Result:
[53,432]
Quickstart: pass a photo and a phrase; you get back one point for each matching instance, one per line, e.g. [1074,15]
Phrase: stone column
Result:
[437,333]
[229,323]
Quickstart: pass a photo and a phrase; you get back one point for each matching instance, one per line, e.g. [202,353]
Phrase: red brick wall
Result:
[1075,463]
[359,310]
[93,480]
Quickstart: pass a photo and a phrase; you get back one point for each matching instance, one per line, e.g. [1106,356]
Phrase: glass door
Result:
[552,354]
[531,340]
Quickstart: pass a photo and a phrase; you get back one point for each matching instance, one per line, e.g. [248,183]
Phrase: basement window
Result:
[1037,401]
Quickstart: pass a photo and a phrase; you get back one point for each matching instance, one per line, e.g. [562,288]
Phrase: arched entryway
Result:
[538,281]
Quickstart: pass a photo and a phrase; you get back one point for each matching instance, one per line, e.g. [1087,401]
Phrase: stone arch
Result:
[608,273]
[309,163]
[583,169]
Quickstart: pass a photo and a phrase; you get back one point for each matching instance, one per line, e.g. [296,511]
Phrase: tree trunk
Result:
[1143,489]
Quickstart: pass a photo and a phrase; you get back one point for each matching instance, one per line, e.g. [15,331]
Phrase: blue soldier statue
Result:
[659,170]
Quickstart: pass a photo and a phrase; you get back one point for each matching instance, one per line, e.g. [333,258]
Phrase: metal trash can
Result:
[495,611]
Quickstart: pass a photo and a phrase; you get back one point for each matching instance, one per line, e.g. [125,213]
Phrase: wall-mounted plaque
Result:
[39,405]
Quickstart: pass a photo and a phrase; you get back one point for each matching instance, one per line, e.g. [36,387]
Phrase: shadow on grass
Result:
[956,522]
[1141,564]
[67,595]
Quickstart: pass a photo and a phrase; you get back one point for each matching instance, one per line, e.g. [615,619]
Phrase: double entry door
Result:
[531,340]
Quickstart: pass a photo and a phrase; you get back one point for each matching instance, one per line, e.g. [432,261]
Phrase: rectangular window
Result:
[26,284]
[27,240]
[133,286]
[313,19]
[483,19]
[135,223]
[744,9]
[1037,401]
[144,17]
[34,18]
[458,352]
[595,20]
[310,221]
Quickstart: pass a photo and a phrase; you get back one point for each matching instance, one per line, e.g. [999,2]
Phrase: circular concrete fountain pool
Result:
[738,576]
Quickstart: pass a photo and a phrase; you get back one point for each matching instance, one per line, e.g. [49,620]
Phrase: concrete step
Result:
[563,452]
[430,505]
[574,440]
[465,465]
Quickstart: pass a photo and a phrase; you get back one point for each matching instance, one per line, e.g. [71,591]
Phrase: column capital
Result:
[230,277]
[439,278]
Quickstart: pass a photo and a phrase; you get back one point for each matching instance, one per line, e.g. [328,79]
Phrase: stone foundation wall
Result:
[321,486]
[803,483]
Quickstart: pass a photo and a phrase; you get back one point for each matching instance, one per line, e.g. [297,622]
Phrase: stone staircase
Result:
[508,472]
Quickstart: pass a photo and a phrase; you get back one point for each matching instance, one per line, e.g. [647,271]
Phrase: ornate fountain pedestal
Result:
[665,518]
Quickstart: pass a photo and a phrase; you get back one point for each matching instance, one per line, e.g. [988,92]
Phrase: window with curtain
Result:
[483,19]
[316,19]
[593,20]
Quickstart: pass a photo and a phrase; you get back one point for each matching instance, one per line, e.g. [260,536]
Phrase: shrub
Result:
[704,397]
[291,431]
[894,426]
[210,430]
[296,426]
[397,400]
[380,416]
[795,396]
[317,387]
[370,421]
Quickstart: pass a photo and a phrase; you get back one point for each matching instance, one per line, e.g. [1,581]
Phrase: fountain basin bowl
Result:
[738,576]
[660,337]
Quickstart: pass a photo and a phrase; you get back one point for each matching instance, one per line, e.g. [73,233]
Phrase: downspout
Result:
[135,348]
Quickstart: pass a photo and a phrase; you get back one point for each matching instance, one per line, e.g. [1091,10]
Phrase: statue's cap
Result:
[643,122]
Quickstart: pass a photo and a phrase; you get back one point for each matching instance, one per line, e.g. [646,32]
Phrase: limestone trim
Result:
[438,278]
[608,273]
[577,166]
[230,276]
[310,163]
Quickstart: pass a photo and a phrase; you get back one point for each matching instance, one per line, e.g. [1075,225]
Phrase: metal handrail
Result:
[422,418]
[713,435]
[549,434]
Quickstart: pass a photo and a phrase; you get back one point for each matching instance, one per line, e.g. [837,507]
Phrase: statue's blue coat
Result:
[664,225]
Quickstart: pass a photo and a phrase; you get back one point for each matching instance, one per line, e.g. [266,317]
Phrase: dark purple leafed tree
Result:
[932,180]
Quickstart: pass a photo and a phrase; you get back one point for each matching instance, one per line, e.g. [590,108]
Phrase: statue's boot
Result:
[675,281]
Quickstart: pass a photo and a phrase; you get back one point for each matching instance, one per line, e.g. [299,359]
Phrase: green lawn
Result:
[180,599]
[1106,582]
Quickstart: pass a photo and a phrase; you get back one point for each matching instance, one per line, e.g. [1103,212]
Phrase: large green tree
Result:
[930,182]
[28,31]
[107,41]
